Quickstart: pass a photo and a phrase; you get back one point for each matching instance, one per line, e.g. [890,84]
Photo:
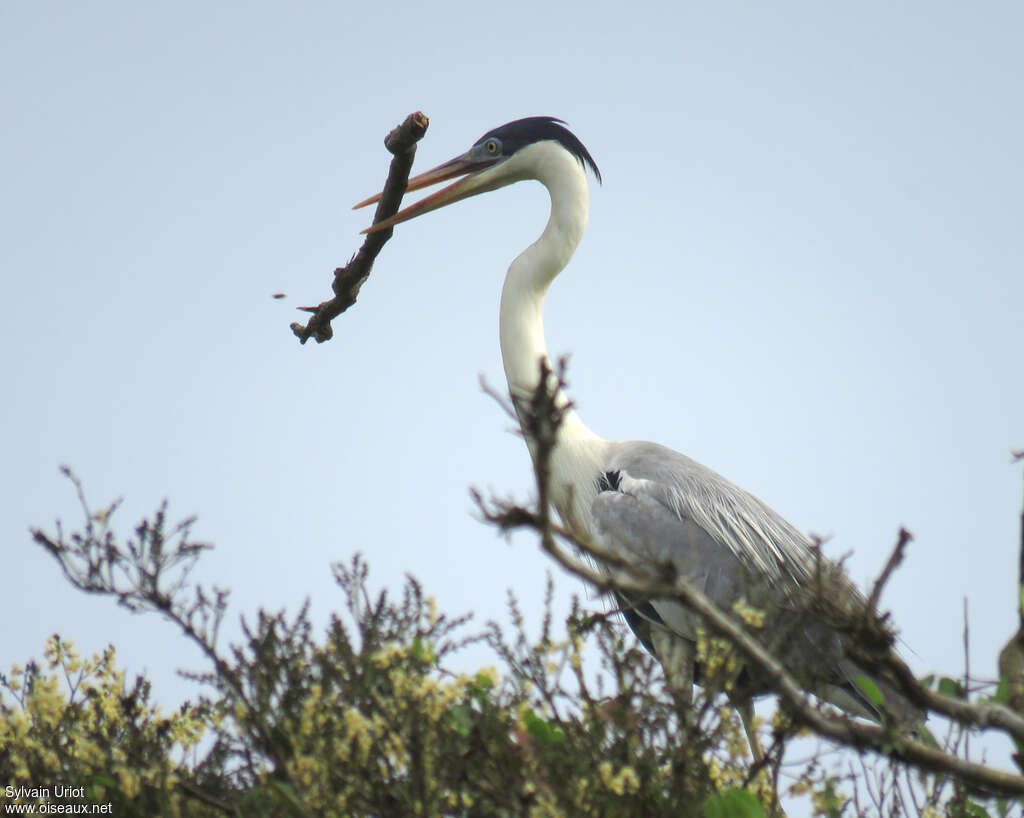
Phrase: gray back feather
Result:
[671,510]
[759,537]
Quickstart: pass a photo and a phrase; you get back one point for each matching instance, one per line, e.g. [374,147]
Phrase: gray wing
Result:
[659,505]
[637,525]
[749,529]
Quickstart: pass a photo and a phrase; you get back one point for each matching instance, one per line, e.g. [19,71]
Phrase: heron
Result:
[643,499]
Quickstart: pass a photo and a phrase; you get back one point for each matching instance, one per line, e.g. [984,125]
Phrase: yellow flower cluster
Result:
[489,673]
[720,662]
[826,799]
[72,721]
[620,783]
[389,655]
[752,616]
[725,776]
[734,738]
[340,747]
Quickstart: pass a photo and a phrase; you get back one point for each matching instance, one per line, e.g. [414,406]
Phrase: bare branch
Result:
[349,279]
[1020,561]
[200,794]
[859,735]
[540,414]
[151,572]
[895,558]
[985,715]
[501,398]
[1011,657]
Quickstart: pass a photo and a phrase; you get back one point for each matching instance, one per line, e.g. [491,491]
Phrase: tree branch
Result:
[200,794]
[1011,657]
[895,558]
[540,416]
[859,735]
[348,280]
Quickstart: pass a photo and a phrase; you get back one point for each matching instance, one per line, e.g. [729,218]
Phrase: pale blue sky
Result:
[803,269]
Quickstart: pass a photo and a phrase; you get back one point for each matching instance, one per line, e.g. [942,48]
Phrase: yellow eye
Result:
[491,146]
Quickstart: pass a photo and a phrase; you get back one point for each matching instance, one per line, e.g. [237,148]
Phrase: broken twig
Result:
[349,279]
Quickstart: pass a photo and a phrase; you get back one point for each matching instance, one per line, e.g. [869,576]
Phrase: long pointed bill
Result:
[462,189]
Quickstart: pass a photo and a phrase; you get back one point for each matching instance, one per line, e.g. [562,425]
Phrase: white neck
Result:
[577,452]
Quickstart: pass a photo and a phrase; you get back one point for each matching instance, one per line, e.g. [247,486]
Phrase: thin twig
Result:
[1019,457]
[349,279]
[1011,657]
[200,794]
[895,558]
[967,674]
[982,714]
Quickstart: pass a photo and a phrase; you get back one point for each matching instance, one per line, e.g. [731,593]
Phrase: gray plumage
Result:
[662,507]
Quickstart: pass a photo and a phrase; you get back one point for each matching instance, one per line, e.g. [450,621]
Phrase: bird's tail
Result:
[872,694]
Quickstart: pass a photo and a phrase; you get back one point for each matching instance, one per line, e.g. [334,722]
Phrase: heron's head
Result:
[498,158]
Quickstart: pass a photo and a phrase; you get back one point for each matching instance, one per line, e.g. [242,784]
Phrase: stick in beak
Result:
[462,189]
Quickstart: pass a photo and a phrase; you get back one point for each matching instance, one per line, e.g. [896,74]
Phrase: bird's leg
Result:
[676,656]
[746,711]
[745,707]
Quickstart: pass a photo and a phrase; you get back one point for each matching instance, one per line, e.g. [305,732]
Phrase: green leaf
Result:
[545,734]
[1002,692]
[972,809]
[422,651]
[951,687]
[926,737]
[286,794]
[733,803]
[101,780]
[459,719]
[871,690]
[928,681]
[482,681]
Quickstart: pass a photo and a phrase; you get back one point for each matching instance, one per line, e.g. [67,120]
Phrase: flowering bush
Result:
[374,719]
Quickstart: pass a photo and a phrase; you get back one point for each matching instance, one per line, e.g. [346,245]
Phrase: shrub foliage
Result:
[375,717]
